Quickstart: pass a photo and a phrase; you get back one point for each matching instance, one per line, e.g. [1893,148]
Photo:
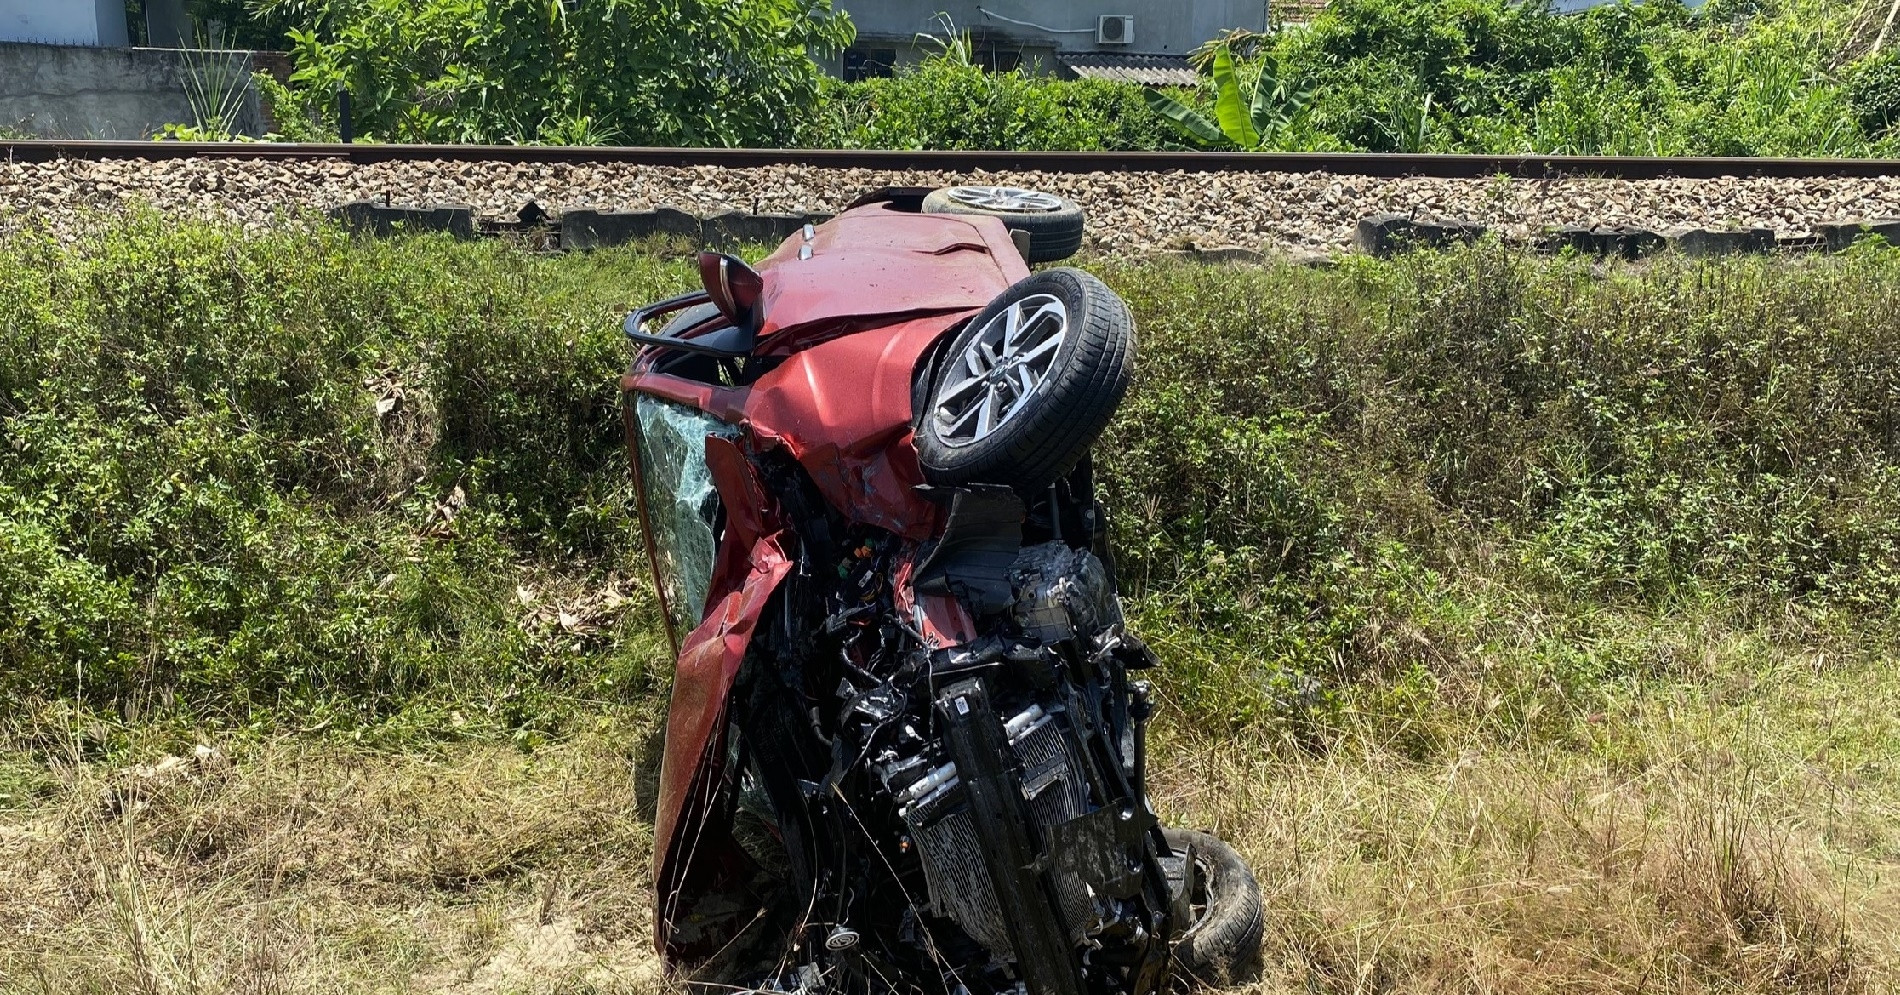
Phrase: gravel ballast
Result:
[1127,212]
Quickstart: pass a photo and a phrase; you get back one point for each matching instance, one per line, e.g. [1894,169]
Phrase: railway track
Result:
[1381,165]
[1136,202]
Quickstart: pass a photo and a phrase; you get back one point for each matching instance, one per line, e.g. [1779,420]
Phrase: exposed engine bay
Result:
[897,756]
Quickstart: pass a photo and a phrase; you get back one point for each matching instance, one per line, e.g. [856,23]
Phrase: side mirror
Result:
[734,287]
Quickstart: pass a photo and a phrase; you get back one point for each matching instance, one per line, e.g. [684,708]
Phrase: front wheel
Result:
[1221,945]
[1027,386]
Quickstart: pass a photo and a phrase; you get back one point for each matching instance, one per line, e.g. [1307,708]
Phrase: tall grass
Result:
[1527,624]
[300,477]
[295,478]
[1328,476]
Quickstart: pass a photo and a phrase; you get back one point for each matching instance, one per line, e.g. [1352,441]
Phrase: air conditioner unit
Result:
[1115,29]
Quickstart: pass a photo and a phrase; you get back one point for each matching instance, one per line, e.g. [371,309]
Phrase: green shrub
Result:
[1483,76]
[1264,113]
[1653,78]
[288,473]
[1748,77]
[290,476]
[696,72]
[1316,470]
[1874,93]
[1374,64]
[945,104]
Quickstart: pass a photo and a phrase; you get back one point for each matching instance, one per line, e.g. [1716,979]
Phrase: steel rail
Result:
[1373,164]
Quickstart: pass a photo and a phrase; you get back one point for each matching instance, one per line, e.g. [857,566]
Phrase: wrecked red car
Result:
[905,748]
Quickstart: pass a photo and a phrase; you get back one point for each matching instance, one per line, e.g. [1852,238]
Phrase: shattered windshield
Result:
[682,507]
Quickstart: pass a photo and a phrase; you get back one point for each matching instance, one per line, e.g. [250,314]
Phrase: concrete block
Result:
[1634,243]
[1836,236]
[1309,258]
[588,229]
[1385,235]
[1613,240]
[732,229]
[371,218]
[1583,240]
[1701,242]
[1228,254]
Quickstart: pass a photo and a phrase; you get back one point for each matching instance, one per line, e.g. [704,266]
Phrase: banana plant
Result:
[1251,121]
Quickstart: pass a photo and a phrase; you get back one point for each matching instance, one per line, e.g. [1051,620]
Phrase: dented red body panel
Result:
[847,324]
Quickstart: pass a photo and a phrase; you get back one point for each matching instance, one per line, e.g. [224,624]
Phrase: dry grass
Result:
[307,867]
[1686,845]
[1738,841]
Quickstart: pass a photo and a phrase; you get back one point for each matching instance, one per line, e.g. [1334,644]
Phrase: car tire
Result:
[688,318]
[1221,946]
[1055,230]
[1061,380]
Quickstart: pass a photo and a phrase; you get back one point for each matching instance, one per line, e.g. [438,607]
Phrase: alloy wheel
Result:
[1000,368]
[1005,199]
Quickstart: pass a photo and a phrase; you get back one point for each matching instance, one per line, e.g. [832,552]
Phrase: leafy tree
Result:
[649,72]
[1272,115]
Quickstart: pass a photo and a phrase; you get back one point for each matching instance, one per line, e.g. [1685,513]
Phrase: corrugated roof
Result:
[1295,11]
[1148,70]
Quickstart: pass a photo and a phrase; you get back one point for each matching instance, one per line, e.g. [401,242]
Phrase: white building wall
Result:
[63,22]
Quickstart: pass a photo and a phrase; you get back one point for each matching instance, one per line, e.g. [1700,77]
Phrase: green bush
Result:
[1742,412]
[1480,76]
[699,72]
[1874,93]
[291,476]
[301,474]
[1377,64]
[1313,465]
[1498,76]
[945,104]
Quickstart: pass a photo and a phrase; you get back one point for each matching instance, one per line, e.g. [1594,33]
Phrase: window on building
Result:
[868,63]
[998,59]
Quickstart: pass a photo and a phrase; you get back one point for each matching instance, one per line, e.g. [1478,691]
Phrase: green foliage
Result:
[295,477]
[1629,78]
[1272,115]
[216,83]
[695,72]
[945,103]
[1479,76]
[1192,123]
[1380,67]
[1874,93]
[1319,474]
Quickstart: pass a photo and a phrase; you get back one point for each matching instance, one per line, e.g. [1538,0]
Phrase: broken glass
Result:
[682,505]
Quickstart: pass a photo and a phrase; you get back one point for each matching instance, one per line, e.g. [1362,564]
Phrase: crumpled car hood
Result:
[893,263]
